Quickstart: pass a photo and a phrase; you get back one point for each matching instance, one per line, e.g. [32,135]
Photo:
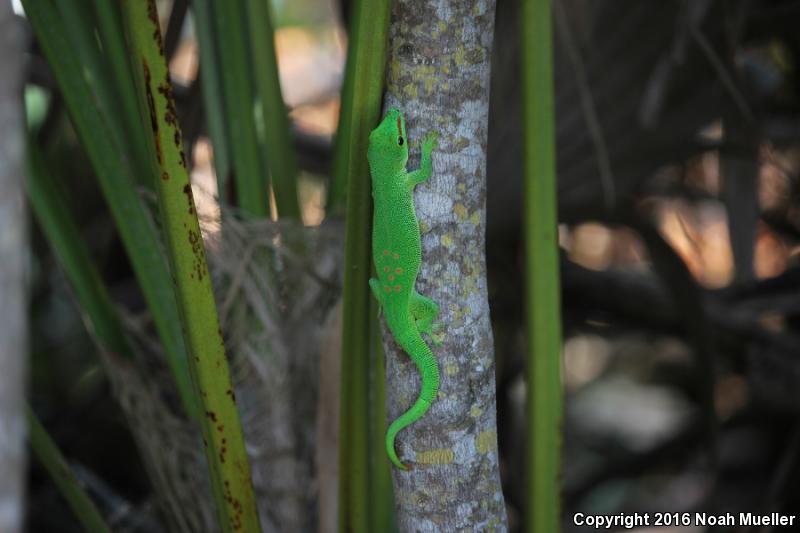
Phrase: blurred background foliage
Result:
[678,144]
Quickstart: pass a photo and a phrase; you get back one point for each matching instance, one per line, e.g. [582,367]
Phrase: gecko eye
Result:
[400,141]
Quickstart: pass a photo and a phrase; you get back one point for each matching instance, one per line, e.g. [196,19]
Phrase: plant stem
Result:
[380,469]
[276,144]
[210,76]
[361,102]
[109,27]
[237,90]
[542,295]
[222,432]
[362,94]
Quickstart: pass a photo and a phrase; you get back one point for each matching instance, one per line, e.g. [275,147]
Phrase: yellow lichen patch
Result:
[451,370]
[475,218]
[424,227]
[460,211]
[458,57]
[486,441]
[394,66]
[427,75]
[442,456]
[475,411]
[410,90]
[447,240]
[461,187]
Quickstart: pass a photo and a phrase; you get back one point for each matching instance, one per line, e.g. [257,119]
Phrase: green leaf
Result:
[543,293]
[210,73]
[276,144]
[88,103]
[237,90]
[361,107]
[222,429]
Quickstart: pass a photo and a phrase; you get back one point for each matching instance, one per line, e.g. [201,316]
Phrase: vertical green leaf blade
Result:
[362,94]
[210,78]
[89,109]
[542,295]
[222,430]
[58,226]
[380,469]
[112,38]
[276,144]
[361,103]
[237,89]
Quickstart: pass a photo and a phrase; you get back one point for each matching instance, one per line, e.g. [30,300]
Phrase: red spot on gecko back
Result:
[399,125]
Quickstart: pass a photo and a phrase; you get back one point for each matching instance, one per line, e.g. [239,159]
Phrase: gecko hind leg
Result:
[424,310]
[375,285]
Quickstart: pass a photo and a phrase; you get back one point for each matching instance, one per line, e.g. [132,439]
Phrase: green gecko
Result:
[397,253]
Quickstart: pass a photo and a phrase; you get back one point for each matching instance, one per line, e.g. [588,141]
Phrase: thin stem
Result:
[380,469]
[542,294]
[273,120]
[362,93]
[222,431]
[361,102]
[237,90]
[210,77]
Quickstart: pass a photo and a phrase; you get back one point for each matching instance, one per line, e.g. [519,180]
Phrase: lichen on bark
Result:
[438,75]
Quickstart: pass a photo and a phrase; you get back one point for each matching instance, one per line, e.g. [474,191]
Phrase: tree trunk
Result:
[438,75]
[13,259]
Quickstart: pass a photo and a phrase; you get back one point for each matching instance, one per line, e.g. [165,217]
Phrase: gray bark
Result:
[438,75]
[13,259]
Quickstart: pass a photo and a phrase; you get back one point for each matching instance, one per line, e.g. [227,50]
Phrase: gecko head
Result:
[388,144]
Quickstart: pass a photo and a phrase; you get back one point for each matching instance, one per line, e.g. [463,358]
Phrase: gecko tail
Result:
[406,419]
[426,363]
[390,451]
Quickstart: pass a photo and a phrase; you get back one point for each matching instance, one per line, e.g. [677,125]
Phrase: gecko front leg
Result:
[426,164]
